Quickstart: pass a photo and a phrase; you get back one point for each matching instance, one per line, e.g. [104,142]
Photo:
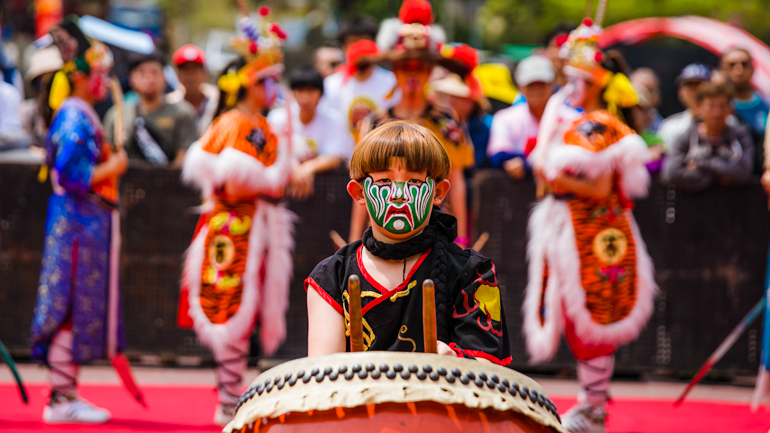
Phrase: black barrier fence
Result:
[709,250]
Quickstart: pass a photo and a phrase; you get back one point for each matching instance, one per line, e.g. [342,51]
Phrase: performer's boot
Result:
[230,366]
[65,406]
[589,414]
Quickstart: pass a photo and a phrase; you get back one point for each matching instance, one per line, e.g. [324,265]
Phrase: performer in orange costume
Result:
[589,272]
[239,265]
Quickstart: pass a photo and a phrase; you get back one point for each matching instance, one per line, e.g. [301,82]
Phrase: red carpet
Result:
[190,409]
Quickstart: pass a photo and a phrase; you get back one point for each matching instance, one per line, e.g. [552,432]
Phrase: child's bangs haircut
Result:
[418,147]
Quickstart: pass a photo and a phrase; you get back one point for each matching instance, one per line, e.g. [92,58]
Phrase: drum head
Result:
[393,392]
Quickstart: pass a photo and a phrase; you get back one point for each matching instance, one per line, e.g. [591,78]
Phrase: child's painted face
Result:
[399,201]
[399,207]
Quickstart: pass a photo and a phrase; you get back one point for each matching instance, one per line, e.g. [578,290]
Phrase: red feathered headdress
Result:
[411,35]
[416,11]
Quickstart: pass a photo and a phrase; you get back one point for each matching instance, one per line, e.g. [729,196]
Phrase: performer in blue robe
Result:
[72,322]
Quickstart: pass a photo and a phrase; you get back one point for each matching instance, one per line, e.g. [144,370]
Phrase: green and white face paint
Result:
[399,207]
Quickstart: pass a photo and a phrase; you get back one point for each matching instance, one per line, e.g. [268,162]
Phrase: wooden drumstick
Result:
[356,322]
[429,317]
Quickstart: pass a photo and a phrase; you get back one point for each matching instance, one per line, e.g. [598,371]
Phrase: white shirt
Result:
[10,108]
[514,126]
[674,126]
[326,134]
[355,99]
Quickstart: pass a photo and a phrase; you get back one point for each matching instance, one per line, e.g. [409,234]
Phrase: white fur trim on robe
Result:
[542,340]
[279,222]
[551,230]
[243,174]
[271,235]
[198,169]
[627,156]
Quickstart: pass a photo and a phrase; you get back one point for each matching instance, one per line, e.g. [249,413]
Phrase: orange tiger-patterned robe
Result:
[237,165]
[590,274]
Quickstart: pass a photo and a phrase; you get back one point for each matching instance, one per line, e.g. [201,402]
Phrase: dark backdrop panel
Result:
[709,250]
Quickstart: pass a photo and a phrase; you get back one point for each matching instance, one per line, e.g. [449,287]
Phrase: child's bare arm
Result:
[326,328]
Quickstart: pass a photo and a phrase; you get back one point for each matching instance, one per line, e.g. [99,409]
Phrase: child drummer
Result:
[399,172]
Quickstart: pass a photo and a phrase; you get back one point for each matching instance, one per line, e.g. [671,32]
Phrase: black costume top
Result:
[392,319]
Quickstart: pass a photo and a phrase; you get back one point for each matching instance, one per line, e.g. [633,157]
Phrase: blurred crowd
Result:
[718,138]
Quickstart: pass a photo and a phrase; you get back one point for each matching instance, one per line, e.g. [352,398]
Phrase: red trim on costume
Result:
[468,309]
[183,319]
[488,283]
[311,282]
[460,352]
[378,286]
[385,292]
[489,326]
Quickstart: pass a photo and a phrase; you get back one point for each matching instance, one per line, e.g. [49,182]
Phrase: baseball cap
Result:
[42,61]
[532,69]
[694,72]
[189,54]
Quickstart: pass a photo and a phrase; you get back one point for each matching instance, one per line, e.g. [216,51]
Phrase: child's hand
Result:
[443,349]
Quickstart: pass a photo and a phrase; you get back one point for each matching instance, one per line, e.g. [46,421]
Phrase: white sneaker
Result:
[583,418]
[224,414]
[70,409]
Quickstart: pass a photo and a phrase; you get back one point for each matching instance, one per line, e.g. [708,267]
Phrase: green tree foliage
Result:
[527,21]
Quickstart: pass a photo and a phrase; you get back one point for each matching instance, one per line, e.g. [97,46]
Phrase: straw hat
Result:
[44,60]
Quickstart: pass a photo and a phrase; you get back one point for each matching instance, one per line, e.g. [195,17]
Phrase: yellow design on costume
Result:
[221,252]
[404,292]
[368,331]
[610,245]
[488,298]
[403,330]
[238,226]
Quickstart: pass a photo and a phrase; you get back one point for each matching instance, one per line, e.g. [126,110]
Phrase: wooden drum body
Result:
[394,392]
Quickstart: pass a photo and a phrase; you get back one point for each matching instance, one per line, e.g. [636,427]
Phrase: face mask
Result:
[399,207]
[271,91]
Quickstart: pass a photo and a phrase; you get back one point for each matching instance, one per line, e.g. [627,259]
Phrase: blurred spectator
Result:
[190,62]
[327,59]
[322,139]
[360,87]
[356,28]
[156,131]
[644,119]
[8,71]
[12,136]
[691,77]
[750,108]
[646,78]
[514,129]
[35,112]
[553,42]
[472,114]
[749,105]
[711,151]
